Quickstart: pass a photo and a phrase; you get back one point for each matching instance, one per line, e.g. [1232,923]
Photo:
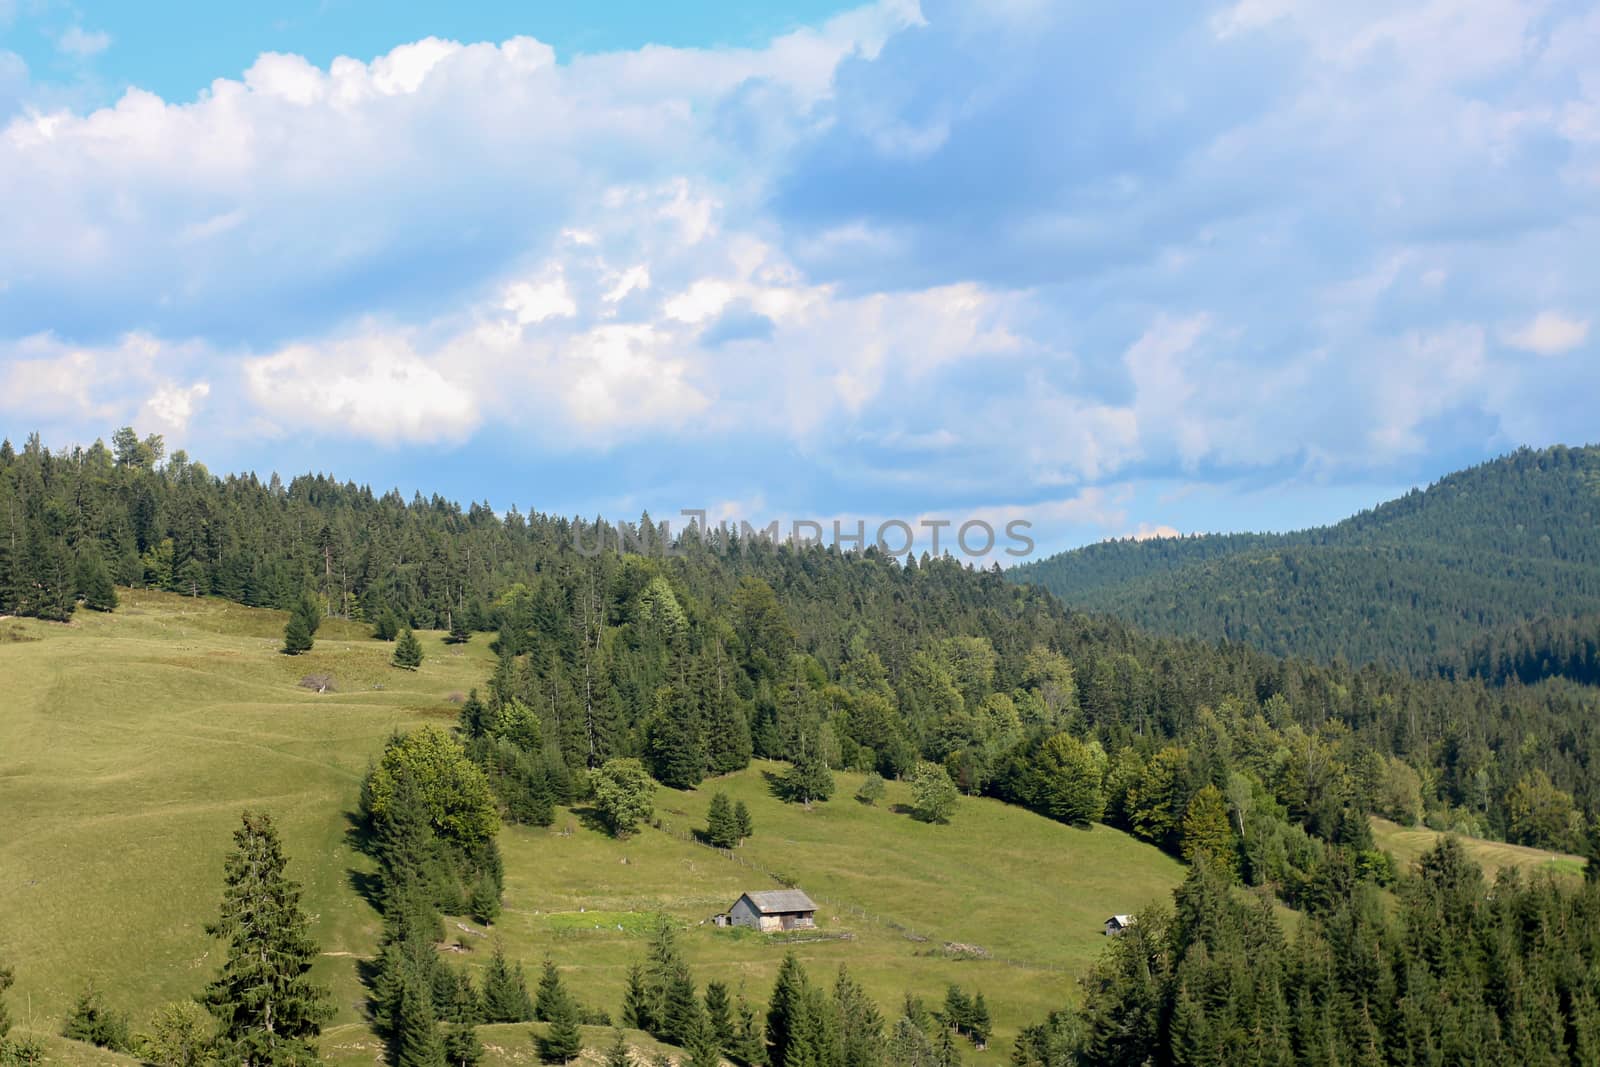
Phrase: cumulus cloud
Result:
[1022,251]
[1549,333]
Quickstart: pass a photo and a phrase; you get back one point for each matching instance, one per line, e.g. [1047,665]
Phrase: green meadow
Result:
[131,741]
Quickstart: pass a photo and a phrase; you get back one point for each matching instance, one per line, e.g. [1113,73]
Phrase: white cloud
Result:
[170,407]
[48,380]
[76,41]
[373,386]
[1549,333]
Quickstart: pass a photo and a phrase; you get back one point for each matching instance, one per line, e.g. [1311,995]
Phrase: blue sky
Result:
[1117,271]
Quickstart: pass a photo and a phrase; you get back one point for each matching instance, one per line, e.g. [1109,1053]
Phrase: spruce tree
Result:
[704,1049]
[94,582]
[859,1040]
[462,1047]
[719,1014]
[505,992]
[750,1039]
[744,827]
[636,1001]
[269,1008]
[722,830]
[92,1022]
[459,634]
[787,1016]
[619,1055]
[549,992]
[562,1041]
[387,626]
[296,636]
[415,1040]
[407,651]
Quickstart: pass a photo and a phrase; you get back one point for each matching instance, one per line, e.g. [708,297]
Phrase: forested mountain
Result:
[693,656]
[1406,584]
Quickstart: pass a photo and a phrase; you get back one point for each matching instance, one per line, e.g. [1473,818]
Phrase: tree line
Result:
[730,647]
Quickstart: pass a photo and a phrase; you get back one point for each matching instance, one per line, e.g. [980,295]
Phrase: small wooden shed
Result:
[773,910]
[1118,923]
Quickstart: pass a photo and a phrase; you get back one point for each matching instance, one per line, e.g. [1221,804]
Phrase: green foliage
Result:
[744,826]
[458,633]
[872,789]
[722,827]
[1217,981]
[933,793]
[269,1008]
[562,1041]
[808,778]
[618,1054]
[1408,584]
[91,1021]
[387,625]
[1207,831]
[454,792]
[94,583]
[296,636]
[623,795]
[505,990]
[407,651]
[181,1034]
[415,1039]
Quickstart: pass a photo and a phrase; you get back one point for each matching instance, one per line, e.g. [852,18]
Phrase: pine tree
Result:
[859,1040]
[744,826]
[296,637]
[459,634]
[407,651]
[505,992]
[484,902]
[722,829]
[269,1008]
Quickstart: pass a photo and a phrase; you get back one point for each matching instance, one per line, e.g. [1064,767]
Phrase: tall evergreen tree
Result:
[744,826]
[719,1014]
[618,1054]
[407,651]
[269,1008]
[505,991]
[562,1042]
[415,1038]
[722,829]
[296,636]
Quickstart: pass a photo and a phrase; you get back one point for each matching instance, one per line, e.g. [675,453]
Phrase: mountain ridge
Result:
[1406,583]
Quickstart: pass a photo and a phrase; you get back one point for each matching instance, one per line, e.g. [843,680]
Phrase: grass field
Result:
[132,741]
[1408,843]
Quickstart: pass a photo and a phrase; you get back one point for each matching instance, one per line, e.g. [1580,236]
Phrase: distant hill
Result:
[1409,583]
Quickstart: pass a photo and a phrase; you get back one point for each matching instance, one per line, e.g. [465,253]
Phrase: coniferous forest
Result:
[1412,583]
[685,660]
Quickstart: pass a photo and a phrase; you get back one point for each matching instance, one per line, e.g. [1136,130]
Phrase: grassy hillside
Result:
[1408,843]
[134,739]
[1408,583]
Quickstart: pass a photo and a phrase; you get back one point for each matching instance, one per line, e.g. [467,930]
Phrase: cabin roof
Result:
[1121,920]
[780,901]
